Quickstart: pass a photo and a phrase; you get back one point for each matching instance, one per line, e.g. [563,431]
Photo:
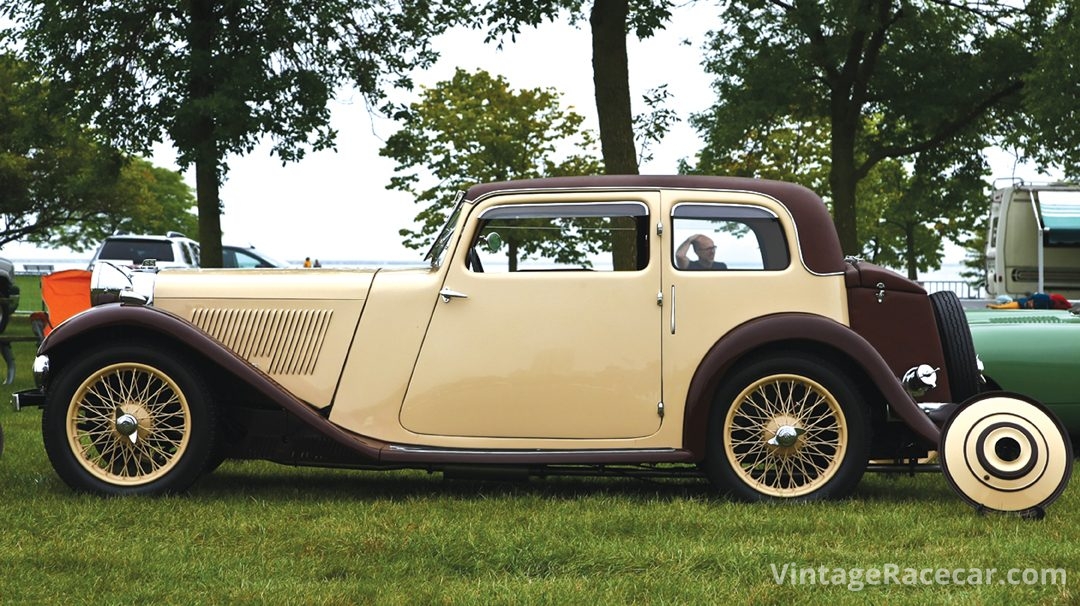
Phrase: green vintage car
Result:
[1034,352]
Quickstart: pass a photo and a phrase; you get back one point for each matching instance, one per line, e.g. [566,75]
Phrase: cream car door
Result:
[540,333]
[730,258]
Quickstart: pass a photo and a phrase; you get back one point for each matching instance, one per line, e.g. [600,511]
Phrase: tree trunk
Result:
[203,136]
[911,257]
[843,179]
[611,80]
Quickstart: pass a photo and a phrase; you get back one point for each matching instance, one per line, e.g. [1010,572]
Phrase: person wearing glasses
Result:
[704,249]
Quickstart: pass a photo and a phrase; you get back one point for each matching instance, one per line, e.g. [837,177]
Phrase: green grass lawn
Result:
[29,293]
[264,533]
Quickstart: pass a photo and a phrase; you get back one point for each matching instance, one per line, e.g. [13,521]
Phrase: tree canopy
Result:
[1049,129]
[60,186]
[473,129]
[216,78]
[891,80]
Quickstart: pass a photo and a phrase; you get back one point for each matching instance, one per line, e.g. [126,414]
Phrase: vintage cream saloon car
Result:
[553,329]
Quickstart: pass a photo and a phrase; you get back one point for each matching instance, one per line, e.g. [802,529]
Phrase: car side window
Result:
[562,237]
[727,237]
[239,258]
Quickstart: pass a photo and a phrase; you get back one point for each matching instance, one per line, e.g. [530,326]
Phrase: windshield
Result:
[438,248]
[136,251]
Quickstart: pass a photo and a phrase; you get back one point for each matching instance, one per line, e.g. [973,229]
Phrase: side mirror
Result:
[492,242]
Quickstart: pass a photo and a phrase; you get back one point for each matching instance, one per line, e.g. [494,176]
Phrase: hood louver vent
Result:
[1019,319]
[280,341]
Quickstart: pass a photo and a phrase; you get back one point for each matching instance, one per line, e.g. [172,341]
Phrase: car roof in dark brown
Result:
[820,245]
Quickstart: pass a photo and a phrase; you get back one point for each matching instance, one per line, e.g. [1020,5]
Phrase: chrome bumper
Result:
[28,398]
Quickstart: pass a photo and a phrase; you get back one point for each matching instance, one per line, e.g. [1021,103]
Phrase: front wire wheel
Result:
[128,424]
[129,420]
[794,430]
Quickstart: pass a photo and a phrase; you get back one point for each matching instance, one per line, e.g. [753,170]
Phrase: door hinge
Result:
[660,409]
[660,298]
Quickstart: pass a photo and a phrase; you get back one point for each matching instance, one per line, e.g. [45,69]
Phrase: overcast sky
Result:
[335,205]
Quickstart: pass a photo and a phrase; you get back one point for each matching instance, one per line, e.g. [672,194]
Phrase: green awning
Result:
[1060,213]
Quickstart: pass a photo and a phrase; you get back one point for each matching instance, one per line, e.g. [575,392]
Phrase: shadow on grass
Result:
[279,482]
[283,482]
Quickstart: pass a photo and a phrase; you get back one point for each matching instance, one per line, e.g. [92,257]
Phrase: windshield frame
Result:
[438,247]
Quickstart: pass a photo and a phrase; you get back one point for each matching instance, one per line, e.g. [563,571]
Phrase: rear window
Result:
[136,251]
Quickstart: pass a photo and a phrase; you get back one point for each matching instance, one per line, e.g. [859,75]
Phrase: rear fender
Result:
[778,329]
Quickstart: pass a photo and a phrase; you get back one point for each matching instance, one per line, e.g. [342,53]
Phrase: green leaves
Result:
[898,97]
[473,129]
[218,77]
[59,185]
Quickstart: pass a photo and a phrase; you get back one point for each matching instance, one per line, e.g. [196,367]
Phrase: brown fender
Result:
[161,322]
[776,329]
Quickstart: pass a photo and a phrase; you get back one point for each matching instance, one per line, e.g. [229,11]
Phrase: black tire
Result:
[129,420]
[962,367]
[7,308]
[828,431]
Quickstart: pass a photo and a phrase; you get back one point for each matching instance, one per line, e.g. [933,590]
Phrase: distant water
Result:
[36,265]
[362,264]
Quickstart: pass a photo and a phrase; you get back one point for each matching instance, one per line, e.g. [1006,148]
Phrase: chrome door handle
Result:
[448,294]
[672,309]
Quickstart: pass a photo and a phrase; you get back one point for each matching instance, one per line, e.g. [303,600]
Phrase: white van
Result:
[1033,243]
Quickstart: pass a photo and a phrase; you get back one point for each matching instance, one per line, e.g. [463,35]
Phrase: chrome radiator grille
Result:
[280,341]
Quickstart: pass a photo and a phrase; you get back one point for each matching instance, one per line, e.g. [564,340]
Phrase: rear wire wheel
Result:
[129,420]
[787,427]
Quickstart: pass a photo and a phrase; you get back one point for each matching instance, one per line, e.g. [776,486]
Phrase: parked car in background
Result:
[560,328]
[9,292]
[174,250]
[1034,352]
[66,293]
[170,250]
[247,258]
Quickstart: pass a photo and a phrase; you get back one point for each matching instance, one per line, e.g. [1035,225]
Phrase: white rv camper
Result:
[1034,240]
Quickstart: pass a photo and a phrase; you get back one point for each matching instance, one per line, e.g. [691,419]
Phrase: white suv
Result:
[171,250]
[174,250]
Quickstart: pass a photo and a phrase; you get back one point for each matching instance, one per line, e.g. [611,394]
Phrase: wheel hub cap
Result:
[786,436]
[127,421]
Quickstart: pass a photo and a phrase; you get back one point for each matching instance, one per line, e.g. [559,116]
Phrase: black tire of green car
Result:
[129,420]
[956,343]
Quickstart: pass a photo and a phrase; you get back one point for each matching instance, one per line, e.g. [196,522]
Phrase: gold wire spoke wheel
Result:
[128,424]
[785,435]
